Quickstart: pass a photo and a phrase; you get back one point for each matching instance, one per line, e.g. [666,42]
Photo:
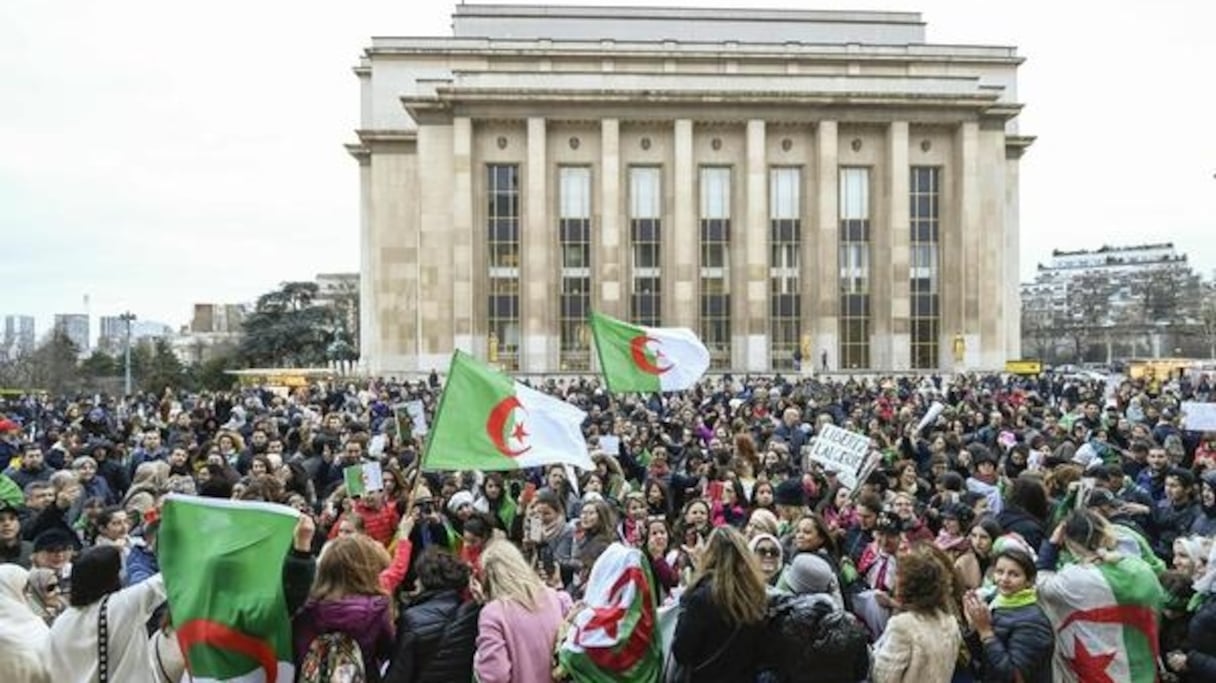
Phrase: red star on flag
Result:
[1090,667]
[518,433]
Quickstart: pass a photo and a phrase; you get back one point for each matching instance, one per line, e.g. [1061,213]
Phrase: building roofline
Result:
[697,13]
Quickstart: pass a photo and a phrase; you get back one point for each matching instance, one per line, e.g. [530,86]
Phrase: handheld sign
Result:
[1199,417]
[842,452]
[417,416]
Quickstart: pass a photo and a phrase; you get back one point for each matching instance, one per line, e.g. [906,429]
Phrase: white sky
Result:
[155,154]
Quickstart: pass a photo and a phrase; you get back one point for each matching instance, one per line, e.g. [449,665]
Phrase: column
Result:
[369,273]
[1013,307]
[681,279]
[607,259]
[966,304]
[435,257]
[992,276]
[898,308]
[462,237]
[754,232]
[538,272]
[826,285]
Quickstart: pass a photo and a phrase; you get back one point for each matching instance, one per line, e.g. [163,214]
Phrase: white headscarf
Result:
[24,638]
[1207,583]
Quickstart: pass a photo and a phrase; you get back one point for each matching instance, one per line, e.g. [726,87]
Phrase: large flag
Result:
[222,564]
[488,421]
[615,637]
[1105,617]
[647,359]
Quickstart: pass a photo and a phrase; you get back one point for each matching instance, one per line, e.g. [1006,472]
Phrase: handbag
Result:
[103,642]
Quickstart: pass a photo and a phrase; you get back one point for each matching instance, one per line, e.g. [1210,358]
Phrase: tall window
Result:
[925,265]
[645,229]
[785,239]
[715,263]
[854,268]
[574,236]
[502,219]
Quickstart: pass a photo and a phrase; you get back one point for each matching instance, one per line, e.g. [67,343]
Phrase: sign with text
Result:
[417,413]
[842,452]
[1199,417]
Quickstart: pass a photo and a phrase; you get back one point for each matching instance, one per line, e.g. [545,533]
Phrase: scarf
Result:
[1022,598]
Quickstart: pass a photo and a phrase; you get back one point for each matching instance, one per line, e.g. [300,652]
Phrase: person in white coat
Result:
[76,653]
[23,635]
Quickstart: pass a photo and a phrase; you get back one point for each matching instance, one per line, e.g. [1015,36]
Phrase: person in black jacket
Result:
[1025,509]
[1197,662]
[721,628]
[437,632]
[1012,640]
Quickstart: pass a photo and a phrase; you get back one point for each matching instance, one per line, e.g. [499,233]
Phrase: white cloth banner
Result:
[1199,417]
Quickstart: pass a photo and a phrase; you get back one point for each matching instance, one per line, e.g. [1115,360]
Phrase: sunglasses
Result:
[767,552]
[52,587]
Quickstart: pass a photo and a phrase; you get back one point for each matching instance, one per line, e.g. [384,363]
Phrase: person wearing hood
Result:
[811,574]
[769,555]
[1205,521]
[1198,661]
[23,635]
[347,597]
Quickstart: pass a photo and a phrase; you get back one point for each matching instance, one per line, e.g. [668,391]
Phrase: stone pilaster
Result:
[681,255]
[964,256]
[609,250]
[755,232]
[538,272]
[462,236]
[435,255]
[825,287]
[899,309]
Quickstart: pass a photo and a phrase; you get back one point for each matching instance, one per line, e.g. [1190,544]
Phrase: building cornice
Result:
[370,140]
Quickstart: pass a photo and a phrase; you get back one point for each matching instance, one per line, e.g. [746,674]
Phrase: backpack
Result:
[810,633]
[332,658]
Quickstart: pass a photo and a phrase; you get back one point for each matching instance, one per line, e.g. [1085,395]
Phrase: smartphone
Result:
[535,531]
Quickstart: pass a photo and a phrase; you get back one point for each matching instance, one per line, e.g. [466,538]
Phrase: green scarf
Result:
[1022,598]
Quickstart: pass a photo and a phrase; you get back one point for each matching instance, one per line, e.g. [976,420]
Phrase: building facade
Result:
[19,337]
[76,327]
[788,184]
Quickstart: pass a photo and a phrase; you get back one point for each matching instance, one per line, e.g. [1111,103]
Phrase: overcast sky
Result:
[155,154]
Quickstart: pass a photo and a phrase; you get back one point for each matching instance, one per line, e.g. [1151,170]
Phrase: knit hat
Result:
[809,573]
[459,499]
[55,539]
[789,492]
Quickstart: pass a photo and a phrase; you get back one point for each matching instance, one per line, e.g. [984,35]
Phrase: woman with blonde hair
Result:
[517,627]
[347,597]
[721,624]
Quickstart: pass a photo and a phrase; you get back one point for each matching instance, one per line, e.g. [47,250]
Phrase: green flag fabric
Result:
[647,359]
[222,564]
[487,421]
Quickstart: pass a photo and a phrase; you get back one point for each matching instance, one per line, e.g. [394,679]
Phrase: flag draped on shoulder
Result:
[647,359]
[222,565]
[488,421]
[615,637]
[1105,617]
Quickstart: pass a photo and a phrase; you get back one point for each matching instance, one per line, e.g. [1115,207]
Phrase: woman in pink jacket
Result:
[517,629]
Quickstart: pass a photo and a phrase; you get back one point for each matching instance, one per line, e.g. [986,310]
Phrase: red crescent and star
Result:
[642,357]
[496,428]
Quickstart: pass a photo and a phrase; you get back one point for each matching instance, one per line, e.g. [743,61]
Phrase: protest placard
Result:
[931,415]
[417,414]
[362,479]
[840,451]
[610,444]
[1199,417]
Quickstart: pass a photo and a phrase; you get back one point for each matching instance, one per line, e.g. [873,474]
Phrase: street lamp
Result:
[127,318]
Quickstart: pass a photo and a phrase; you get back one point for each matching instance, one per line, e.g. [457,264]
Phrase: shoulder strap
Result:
[721,650]
[103,641]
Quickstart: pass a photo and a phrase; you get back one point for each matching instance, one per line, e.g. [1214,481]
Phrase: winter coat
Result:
[1015,519]
[1024,644]
[810,633]
[1201,642]
[73,655]
[1171,522]
[703,637]
[514,644]
[436,640]
[365,618]
[917,648]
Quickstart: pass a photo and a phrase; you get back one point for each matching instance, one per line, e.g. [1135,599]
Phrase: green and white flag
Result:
[1105,618]
[647,359]
[222,565]
[614,637]
[363,479]
[488,421]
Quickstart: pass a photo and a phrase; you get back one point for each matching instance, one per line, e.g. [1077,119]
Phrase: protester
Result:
[437,631]
[1012,638]
[921,642]
[24,636]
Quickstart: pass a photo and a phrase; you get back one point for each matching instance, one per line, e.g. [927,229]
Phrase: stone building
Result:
[788,184]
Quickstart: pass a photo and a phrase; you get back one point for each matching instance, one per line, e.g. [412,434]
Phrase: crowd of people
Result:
[1037,529]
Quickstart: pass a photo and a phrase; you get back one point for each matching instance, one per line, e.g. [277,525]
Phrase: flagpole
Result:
[426,450]
[599,352]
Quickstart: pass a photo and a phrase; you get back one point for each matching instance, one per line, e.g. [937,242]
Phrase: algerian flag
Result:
[615,637]
[647,359]
[222,564]
[1105,618]
[487,421]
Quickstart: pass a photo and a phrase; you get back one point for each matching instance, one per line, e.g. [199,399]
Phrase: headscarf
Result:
[24,637]
[38,595]
[1207,583]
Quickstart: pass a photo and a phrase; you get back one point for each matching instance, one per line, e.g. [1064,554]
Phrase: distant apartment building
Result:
[114,333]
[18,336]
[76,327]
[214,329]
